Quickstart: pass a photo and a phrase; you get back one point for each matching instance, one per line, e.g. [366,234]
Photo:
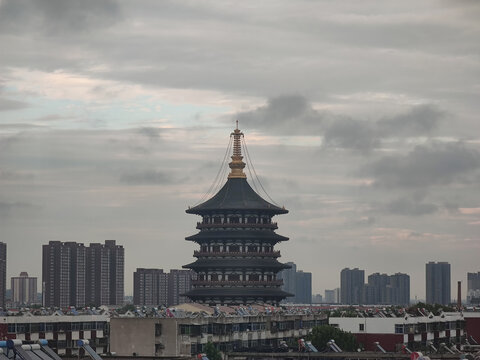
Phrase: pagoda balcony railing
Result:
[273,226]
[238,282]
[236,253]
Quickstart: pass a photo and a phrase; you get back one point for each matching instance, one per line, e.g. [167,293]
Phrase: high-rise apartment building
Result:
[150,287]
[399,289]
[24,289]
[438,290]
[296,282]
[303,287]
[3,273]
[75,275]
[473,288]
[351,286]
[387,289]
[179,283]
[332,296]
[63,274]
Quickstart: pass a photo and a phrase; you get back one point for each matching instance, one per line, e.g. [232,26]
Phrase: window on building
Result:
[158,329]
[399,328]
[361,327]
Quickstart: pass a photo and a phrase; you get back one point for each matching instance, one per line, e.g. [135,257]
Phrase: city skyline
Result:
[361,119]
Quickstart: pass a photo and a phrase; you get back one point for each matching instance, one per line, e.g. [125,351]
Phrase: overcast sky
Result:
[361,119]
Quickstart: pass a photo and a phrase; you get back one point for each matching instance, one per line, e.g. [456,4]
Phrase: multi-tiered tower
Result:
[236,262]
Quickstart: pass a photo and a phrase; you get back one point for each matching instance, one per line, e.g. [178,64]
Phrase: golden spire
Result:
[237,164]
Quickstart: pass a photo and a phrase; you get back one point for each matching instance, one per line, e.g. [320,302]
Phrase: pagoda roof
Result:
[237,234]
[240,263]
[236,194]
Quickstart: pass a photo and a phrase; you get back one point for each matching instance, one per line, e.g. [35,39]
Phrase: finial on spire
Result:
[237,165]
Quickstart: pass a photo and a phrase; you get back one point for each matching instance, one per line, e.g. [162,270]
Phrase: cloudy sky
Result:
[360,117]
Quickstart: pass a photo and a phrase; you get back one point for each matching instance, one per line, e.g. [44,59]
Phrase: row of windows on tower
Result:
[236,248]
[236,219]
[236,277]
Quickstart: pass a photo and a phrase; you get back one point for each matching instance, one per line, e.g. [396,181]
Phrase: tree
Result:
[320,335]
[212,352]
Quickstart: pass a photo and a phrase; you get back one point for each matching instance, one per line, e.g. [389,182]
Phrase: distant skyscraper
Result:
[376,290]
[63,274]
[289,277]
[150,287]
[3,273]
[399,290]
[296,282]
[179,283]
[75,275]
[473,288]
[438,289]
[24,289]
[351,286]
[303,287]
[330,297]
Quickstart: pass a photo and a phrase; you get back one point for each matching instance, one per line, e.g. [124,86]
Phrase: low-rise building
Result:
[229,328]
[413,331]
[62,331]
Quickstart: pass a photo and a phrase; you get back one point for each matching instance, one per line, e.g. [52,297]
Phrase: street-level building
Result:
[412,331]
[61,331]
[186,336]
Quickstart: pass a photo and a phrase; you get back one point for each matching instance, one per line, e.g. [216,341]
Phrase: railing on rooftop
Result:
[238,282]
[273,226]
[236,254]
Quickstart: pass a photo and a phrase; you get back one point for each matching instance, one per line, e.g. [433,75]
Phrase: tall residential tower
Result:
[438,283]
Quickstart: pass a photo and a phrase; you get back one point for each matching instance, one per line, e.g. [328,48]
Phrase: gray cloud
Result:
[295,115]
[8,104]
[424,166]
[147,177]
[409,207]
[56,17]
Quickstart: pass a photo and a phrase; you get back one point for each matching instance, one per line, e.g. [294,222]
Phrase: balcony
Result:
[201,225]
[236,283]
[273,254]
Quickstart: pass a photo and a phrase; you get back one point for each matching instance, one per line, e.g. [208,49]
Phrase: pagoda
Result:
[236,262]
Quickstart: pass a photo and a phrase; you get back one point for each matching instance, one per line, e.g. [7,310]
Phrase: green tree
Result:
[212,352]
[320,335]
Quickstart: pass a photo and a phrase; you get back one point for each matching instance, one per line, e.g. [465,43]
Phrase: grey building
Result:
[179,283]
[303,287]
[104,274]
[3,273]
[332,296]
[352,283]
[150,287]
[438,283]
[387,289]
[399,289]
[296,282]
[75,275]
[376,289]
[24,289]
[473,288]
[63,274]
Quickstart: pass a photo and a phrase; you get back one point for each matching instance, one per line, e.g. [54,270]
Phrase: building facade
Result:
[236,262]
[383,289]
[303,287]
[150,287]
[473,288]
[438,283]
[351,286]
[332,296]
[24,289]
[3,273]
[412,331]
[61,331]
[75,275]
[170,337]
[63,274]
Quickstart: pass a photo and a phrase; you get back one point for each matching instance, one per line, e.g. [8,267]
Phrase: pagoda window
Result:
[234,277]
[234,248]
[216,248]
[214,277]
[217,220]
[251,220]
[201,277]
[254,277]
[234,220]
[204,248]
[265,221]
[252,248]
